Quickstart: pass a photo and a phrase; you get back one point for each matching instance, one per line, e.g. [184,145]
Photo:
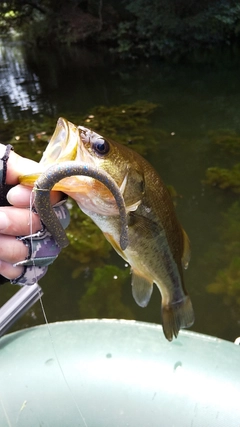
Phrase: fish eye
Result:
[101,146]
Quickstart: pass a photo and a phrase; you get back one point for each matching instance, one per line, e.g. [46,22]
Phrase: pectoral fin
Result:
[141,289]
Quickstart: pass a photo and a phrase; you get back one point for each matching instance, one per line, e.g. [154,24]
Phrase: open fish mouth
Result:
[63,144]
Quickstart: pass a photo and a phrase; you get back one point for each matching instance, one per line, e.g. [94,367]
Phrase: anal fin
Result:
[177,315]
[141,289]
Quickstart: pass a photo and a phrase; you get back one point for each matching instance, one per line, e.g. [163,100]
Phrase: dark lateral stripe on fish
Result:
[55,173]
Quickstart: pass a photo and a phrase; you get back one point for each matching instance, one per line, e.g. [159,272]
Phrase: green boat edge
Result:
[106,372]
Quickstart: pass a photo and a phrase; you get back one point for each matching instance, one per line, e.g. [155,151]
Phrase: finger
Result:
[21,196]
[18,165]
[12,250]
[18,222]
[9,271]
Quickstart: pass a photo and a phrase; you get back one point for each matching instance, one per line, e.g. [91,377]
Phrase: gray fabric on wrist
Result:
[43,250]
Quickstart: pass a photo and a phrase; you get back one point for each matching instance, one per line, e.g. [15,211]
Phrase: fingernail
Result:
[4,221]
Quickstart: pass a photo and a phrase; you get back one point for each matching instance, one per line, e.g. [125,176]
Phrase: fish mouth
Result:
[67,144]
[63,145]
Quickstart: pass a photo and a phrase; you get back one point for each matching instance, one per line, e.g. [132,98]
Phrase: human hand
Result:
[15,220]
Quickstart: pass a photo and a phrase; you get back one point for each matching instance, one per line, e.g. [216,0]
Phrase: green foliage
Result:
[48,22]
[104,294]
[17,14]
[133,28]
[225,179]
[8,17]
[169,28]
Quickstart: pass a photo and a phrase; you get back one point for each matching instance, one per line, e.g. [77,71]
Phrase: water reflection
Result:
[19,88]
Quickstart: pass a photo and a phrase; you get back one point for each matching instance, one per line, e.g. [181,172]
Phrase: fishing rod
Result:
[17,305]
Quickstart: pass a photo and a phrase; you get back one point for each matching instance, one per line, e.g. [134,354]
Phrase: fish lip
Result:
[63,145]
[63,122]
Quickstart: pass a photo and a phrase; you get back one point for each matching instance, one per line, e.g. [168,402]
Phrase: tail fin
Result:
[176,316]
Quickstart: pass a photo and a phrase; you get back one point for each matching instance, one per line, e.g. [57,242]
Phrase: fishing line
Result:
[59,364]
[46,320]
[5,413]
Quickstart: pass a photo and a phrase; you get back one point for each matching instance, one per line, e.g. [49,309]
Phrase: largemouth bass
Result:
[158,248]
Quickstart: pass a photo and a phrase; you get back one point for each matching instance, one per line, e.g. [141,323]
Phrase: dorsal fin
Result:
[141,289]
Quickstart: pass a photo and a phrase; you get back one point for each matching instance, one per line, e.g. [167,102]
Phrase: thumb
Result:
[18,166]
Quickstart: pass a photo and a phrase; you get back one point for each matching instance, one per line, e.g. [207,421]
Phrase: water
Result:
[194,100]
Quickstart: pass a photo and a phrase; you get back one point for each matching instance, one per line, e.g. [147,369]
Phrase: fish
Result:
[158,248]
